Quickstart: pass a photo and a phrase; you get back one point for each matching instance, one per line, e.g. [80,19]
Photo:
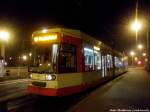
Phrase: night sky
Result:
[106,20]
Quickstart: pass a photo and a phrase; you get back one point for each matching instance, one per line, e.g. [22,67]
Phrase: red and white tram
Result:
[67,61]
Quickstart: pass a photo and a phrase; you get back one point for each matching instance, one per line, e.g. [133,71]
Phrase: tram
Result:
[67,61]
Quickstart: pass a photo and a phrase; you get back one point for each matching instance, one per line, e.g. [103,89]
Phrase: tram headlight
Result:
[50,77]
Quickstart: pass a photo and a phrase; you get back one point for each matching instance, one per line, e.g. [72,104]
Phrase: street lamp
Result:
[4,35]
[147,45]
[140,46]
[29,62]
[135,58]
[132,53]
[144,54]
[136,26]
[24,57]
[30,54]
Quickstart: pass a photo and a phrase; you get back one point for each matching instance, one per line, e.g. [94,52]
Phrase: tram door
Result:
[104,66]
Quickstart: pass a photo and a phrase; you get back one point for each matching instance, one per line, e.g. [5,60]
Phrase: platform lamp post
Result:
[4,36]
[136,26]
[132,53]
[30,55]
[140,47]
[147,39]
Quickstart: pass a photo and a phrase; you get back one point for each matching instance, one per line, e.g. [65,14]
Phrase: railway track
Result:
[22,104]
[10,91]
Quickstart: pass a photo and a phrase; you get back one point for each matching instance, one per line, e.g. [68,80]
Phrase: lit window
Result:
[67,58]
[97,60]
[118,62]
[109,61]
[88,59]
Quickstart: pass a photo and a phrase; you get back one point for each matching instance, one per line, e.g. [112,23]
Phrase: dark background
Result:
[106,20]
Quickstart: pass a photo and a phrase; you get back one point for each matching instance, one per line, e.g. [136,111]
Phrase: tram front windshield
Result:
[44,59]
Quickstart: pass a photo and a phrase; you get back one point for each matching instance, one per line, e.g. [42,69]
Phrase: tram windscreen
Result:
[44,59]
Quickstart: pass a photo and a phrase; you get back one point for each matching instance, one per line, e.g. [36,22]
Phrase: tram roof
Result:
[75,33]
[70,32]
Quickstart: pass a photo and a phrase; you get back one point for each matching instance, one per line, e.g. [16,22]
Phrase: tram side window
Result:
[67,58]
[109,61]
[118,62]
[97,60]
[88,59]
